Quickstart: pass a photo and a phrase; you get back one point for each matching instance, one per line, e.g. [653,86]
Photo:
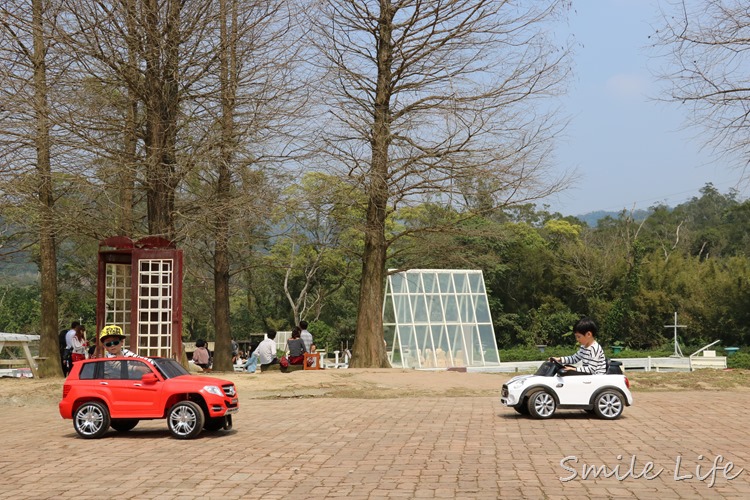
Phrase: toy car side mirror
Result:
[149,378]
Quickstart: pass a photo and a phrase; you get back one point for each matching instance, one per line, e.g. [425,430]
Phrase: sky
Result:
[628,150]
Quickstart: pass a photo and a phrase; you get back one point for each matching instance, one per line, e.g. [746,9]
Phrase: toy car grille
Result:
[228,390]
[505,391]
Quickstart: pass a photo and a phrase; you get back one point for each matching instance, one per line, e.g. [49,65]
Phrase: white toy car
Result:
[539,395]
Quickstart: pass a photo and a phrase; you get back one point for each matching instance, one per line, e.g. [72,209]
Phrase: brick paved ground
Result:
[394,448]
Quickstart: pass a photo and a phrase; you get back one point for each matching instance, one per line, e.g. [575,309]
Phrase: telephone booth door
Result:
[140,290]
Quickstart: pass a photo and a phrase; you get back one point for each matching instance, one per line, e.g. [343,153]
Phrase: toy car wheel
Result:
[185,420]
[228,423]
[608,405]
[541,405]
[91,420]
[124,424]
[522,408]
[214,424]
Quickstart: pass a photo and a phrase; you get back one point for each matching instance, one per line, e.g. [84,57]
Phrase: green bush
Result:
[534,354]
[739,360]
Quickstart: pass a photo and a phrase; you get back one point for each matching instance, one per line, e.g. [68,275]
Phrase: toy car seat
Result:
[614,367]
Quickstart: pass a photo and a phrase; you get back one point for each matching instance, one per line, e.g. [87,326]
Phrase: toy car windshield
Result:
[169,368]
[548,369]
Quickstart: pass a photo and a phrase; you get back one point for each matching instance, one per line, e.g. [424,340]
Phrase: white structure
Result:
[438,318]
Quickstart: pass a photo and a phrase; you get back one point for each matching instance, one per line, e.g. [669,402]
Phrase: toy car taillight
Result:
[66,390]
[627,383]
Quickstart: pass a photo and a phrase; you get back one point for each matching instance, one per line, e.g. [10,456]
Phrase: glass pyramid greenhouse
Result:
[438,318]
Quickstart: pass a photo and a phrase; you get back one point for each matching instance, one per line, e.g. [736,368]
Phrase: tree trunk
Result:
[49,343]
[162,39]
[369,348]
[222,354]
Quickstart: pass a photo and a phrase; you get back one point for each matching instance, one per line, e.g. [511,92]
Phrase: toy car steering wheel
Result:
[556,363]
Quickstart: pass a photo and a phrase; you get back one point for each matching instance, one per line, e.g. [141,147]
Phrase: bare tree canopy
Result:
[706,48]
[435,100]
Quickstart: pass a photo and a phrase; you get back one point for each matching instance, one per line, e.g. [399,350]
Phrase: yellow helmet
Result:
[111,331]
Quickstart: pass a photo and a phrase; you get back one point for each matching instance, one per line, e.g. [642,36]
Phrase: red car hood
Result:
[194,379]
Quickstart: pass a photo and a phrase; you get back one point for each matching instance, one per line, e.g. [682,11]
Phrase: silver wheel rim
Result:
[610,405]
[544,404]
[89,420]
[183,420]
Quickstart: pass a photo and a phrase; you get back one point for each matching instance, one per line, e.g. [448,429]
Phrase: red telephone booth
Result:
[140,290]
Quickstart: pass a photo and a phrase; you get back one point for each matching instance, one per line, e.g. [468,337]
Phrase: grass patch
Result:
[698,380]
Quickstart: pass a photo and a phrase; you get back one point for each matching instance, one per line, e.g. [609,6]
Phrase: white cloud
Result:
[627,86]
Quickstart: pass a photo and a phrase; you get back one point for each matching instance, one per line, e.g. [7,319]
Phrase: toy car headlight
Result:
[213,389]
[517,384]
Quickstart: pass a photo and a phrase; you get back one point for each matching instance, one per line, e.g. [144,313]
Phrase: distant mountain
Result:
[593,218]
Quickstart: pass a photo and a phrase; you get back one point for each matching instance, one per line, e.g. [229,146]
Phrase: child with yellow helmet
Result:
[112,338]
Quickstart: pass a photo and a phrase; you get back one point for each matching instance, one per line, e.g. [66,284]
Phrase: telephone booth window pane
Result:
[117,292]
[155,327]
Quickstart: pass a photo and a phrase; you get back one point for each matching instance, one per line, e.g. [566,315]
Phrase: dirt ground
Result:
[384,383]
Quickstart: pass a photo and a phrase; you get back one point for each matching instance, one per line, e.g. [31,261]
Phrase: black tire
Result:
[228,423]
[91,420]
[214,424]
[185,420]
[124,424]
[522,408]
[609,405]
[541,404]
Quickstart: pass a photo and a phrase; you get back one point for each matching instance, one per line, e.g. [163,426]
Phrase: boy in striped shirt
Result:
[591,354]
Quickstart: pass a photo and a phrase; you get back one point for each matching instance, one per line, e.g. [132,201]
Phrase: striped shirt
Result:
[128,354]
[591,358]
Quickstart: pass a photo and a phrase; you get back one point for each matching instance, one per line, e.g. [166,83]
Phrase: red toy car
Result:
[119,392]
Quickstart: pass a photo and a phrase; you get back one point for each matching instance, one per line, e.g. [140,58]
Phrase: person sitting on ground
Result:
[296,347]
[201,357]
[265,353]
[306,336]
[590,354]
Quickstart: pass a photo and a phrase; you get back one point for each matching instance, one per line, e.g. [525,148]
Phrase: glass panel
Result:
[466,308]
[389,334]
[397,283]
[442,347]
[451,308]
[419,308]
[477,283]
[436,308]
[430,283]
[395,356]
[460,280]
[389,316]
[482,309]
[488,345]
[412,282]
[445,283]
[454,340]
[401,303]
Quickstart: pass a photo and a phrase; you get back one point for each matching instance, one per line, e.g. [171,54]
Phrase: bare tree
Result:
[27,144]
[434,100]
[707,50]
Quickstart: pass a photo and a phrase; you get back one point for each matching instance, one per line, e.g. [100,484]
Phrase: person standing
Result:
[67,353]
[79,343]
[306,336]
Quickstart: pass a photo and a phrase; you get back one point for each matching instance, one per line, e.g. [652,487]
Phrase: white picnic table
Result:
[22,341]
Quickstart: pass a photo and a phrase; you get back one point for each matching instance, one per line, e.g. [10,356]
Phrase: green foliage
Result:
[20,309]
[739,360]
